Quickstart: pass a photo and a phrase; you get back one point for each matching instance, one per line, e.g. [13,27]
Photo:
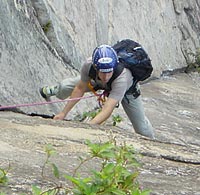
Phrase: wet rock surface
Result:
[171,162]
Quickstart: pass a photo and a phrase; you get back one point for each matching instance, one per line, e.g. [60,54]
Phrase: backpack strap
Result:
[92,72]
[117,71]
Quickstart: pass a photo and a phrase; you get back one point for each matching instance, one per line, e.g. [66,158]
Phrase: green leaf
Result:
[72,179]
[36,190]
[77,181]
[3,177]
[49,150]
[55,170]
[109,168]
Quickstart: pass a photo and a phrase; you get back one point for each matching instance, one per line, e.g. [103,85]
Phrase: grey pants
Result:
[66,87]
[135,112]
[133,107]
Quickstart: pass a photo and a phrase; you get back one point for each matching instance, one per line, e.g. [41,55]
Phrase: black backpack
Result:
[132,56]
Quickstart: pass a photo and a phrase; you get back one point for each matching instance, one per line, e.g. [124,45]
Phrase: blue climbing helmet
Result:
[105,58]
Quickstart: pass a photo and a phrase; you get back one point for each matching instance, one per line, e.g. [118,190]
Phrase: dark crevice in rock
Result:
[179,159]
[50,34]
[171,158]
[17,110]
[193,17]
[42,115]
[173,72]
[176,10]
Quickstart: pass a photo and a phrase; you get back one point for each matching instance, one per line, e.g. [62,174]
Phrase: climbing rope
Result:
[101,98]
[42,103]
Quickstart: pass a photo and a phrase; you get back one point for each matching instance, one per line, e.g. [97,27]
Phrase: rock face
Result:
[26,57]
[45,41]
[171,162]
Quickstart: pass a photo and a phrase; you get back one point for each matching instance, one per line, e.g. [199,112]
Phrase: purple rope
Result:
[42,103]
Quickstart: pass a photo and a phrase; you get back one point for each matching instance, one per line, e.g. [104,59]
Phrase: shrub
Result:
[194,65]
[117,174]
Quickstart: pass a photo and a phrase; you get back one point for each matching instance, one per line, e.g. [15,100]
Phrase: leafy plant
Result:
[117,175]
[37,191]
[49,152]
[86,116]
[46,27]
[116,119]
[90,114]
[3,177]
[194,65]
